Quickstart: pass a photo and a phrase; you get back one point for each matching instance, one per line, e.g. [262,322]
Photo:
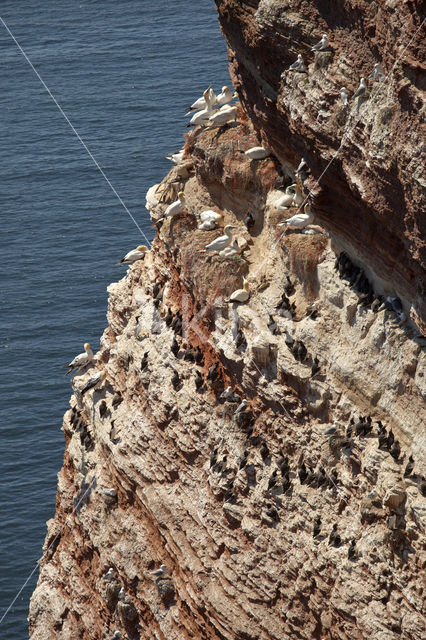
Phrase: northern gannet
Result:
[94,382]
[241,407]
[229,395]
[257,153]
[225,97]
[201,117]
[344,95]
[201,102]
[232,250]
[223,117]
[286,200]
[134,254]
[377,73]
[80,361]
[303,166]
[240,295]
[176,157]
[322,44]
[159,572]
[151,198]
[211,223]
[300,220]
[109,574]
[174,208]
[361,89]
[298,196]
[209,214]
[298,65]
[223,241]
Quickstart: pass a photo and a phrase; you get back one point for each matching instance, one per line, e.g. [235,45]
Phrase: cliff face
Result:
[158,468]
[371,196]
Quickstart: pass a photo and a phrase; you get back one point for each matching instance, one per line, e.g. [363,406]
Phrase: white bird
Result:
[159,572]
[229,395]
[209,214]
[223,241]
[223,117]
[117,636]
[303,166]
[176,157]
[361,89]
[94,382]
[286,200]
[109,574]
[151,198]
[202,117]
[240,295]
[110,492]
[377,73]
[300,220]
[298,65]
[174,208]
[241,407]
[344,95]
[232,250]
[322,44]
[134,254]
[121,594]
[225,97]
[298,196]
[210,224]
[80,361]
[257,153]
[201,102]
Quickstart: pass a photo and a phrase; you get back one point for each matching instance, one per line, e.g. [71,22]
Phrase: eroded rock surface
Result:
[270,528]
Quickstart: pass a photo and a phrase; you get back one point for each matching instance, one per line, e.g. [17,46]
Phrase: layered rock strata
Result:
[296,516]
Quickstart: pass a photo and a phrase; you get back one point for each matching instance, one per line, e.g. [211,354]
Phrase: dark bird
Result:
[284,303]
[312,478]
[300,351]
[302,473]
[175,347]
[351,550]
[213,373]
[243,460]
[144,361]
[169,317]
[272,482]
[175,380]
[368,426]
[156,290]
[380,427]
[176,320]
[229,494]
[350,428]
[213,457]
[264,451]
[117,400]
[220,466]
[289,287]
[103,409]
[359,427]
[249,221]
[286,484]
[317,527]
[383,440]
[321,477]
[315,367]
[422,487]
[282,463]
[199,358]
[240,340]
[391,438]
[409,468]
[199,381]
[333,534]
[272,325]
[188,355]
[271,512]
[395,450]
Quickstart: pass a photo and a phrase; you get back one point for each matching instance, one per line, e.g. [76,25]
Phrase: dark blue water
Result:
[124,73]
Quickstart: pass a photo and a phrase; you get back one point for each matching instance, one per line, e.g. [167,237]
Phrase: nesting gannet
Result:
[224,97]
[109,574]
[303,166]
[257,153]
[298,65]
[209,214]
[229,395]
[202,117]
[174,208]
[223,241]
[361,89]
[241,407]
[240,295]
[223,117]
[151,198]
[300,220]
[201,102]
[94,382]
[159,572]
[232,250]
[80,361]
[116,636]
[298,196]
[286,200]
[134,254]
[344,95]
[322,44]
[211,223]
[176,157]
[377,73]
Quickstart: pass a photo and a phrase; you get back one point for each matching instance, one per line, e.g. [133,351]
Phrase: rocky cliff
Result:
[299,514]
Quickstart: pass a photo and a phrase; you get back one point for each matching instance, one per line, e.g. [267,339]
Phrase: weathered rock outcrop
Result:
[240,507]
